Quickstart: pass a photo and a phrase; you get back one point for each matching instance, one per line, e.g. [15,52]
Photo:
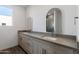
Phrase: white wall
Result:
[77,23]
[8,35]
[38,15]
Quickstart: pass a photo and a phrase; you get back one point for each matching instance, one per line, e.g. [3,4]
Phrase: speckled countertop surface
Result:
[65,41]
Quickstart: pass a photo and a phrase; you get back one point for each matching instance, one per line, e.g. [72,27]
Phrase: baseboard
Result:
[8,48]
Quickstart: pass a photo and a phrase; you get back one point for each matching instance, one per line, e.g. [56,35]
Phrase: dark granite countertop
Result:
[65,40]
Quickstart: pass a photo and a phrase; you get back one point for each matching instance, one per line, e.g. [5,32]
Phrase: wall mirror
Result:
[54,21]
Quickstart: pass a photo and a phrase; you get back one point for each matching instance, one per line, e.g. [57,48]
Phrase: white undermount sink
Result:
[50,38]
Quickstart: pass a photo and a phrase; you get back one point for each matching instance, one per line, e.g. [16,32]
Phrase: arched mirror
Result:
[54,21]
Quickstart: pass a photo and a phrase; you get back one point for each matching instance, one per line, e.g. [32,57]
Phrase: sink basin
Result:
[50,38]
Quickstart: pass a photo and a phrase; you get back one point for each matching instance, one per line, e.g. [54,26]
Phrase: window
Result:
[5,16]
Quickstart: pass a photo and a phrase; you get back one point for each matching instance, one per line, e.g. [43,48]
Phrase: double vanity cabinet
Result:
[34,44]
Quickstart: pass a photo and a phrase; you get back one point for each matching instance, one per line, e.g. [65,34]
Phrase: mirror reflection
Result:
[54,21]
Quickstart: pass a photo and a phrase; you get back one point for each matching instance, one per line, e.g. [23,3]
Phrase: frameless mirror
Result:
[54,21]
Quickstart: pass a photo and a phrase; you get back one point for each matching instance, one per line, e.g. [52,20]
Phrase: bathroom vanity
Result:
[51,39]
[43,43]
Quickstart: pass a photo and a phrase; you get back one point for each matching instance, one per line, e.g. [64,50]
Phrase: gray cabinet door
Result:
[63,50]
[47,48]
[36,49]
[26,43]
[43,47]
